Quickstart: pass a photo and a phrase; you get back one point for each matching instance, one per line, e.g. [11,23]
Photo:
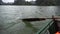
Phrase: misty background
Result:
[32,2]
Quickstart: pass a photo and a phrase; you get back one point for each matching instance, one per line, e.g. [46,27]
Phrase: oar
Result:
[38,19]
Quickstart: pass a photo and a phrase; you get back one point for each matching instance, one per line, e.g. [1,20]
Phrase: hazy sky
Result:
[8,1]
[30,0]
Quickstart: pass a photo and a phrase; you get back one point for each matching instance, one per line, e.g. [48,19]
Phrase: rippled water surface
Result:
[10,16]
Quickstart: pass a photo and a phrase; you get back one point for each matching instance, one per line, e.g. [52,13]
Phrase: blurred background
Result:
[12,11]
[30,2]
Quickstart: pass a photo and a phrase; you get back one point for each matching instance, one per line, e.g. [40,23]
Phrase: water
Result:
[10,16]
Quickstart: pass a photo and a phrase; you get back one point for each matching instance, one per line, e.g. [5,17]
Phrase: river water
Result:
[10,16]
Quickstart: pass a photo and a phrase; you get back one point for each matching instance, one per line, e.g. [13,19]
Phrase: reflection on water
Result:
[10,16]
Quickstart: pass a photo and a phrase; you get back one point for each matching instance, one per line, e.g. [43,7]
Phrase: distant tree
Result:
[46,2]
[0,2]
[19,2]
